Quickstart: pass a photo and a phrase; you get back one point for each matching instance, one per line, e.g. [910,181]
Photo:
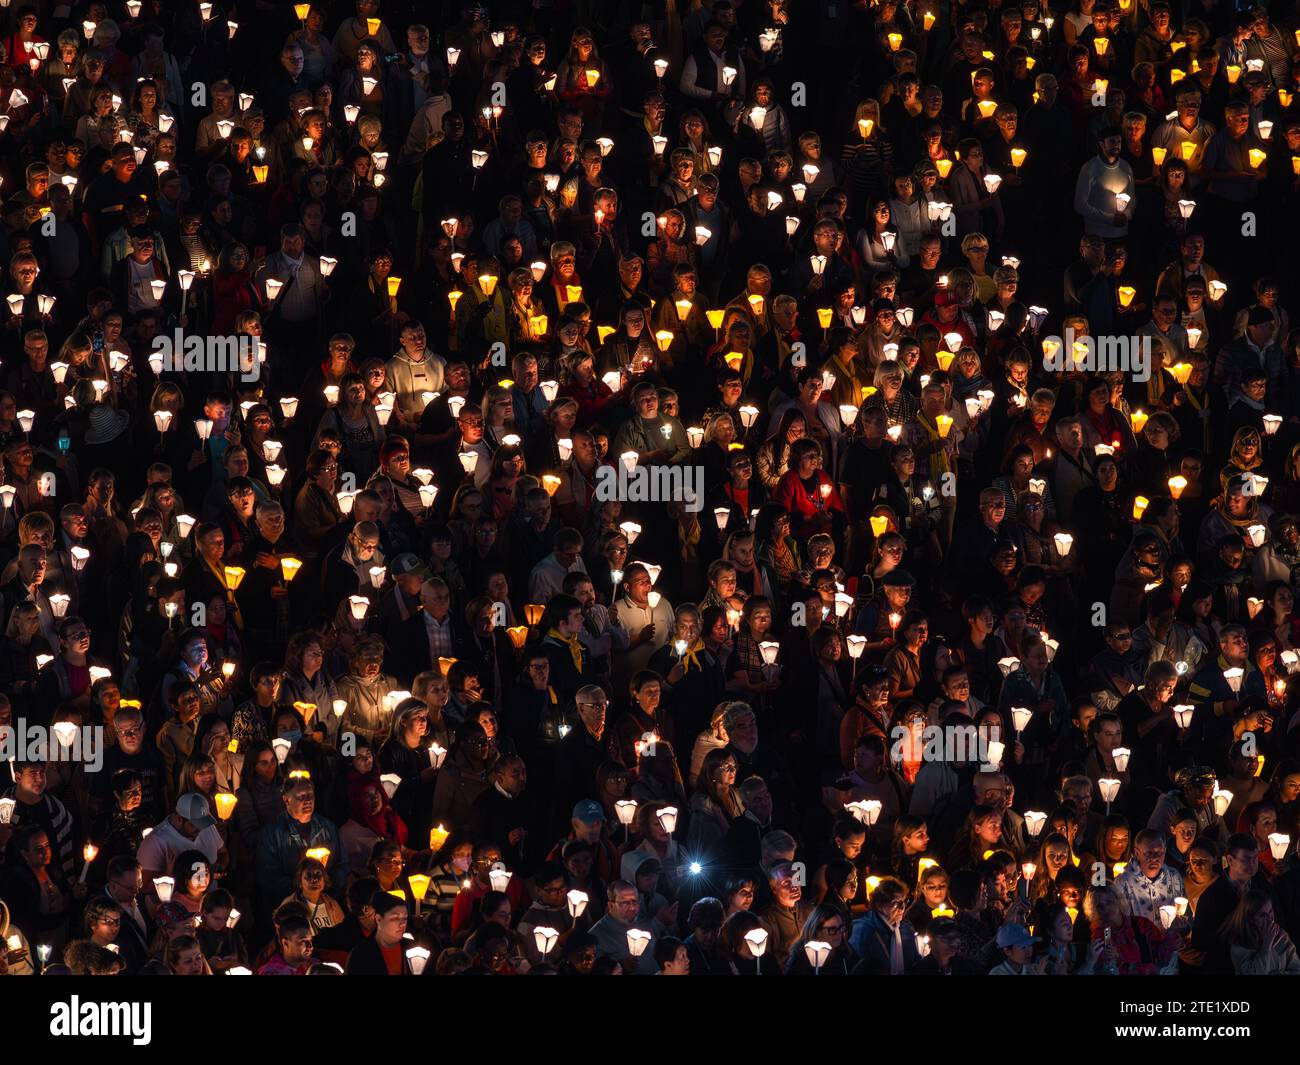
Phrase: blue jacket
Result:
[872,941]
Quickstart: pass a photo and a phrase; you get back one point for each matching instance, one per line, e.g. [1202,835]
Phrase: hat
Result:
[1260,316]
[881,304]
[944,299]
[648,866]
[407,564]
[106,424]
[1014,935]
[589,812]
[194,808]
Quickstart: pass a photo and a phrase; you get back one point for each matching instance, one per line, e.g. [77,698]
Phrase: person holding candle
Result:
[280,845]
[310,881]
[39,898]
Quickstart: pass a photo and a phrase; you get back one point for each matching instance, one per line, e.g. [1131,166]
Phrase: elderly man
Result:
[1148,883]
[547,577]
[611,931]
[784,915]
[281,845]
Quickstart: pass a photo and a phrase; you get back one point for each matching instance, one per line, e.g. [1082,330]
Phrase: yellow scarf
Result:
[938,459]
[692,657]
[220,574]
[575,647]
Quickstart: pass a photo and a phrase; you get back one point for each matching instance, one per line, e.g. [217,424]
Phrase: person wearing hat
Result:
[589,826]
[401,602]
[945,957]
[190,827]
[106,425]
[1017,947]
[1194,791]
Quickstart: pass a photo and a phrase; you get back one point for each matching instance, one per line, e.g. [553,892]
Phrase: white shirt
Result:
[165,842]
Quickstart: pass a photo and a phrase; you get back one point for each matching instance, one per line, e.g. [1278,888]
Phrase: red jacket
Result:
[807,510]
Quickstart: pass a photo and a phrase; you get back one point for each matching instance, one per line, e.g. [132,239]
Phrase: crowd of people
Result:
[687,488]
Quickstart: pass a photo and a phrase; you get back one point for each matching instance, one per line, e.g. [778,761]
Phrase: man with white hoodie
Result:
[414,370]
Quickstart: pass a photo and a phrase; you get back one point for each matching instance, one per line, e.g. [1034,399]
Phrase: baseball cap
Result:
[194,808]
[407,564]
[1014,935]
[588,811]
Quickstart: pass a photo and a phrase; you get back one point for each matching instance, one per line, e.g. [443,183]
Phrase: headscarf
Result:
[385,824]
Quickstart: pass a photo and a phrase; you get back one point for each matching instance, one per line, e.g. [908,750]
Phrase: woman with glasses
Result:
[121,829]
[883,939]
[40,899]
[316,511]
[252,719]
[826,924]
[387,864]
